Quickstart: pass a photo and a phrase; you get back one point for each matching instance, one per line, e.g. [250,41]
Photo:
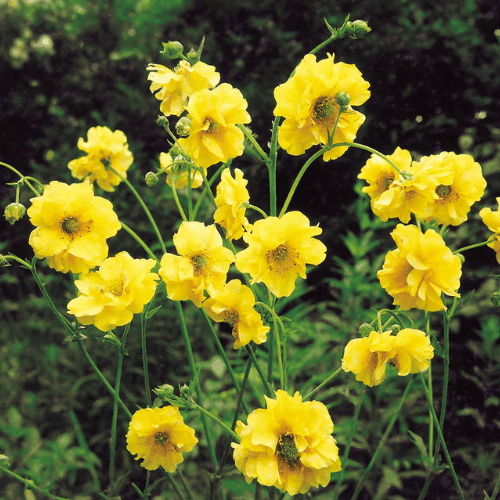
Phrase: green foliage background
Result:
[67,65]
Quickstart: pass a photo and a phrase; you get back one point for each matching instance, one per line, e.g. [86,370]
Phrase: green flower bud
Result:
[193,56]
[172,50]
[14,212]
[174,152]
[343,99]
[162,121]
[151,179]
[365,329]
[183,127]
[395,329]
[357,29]
[164,391]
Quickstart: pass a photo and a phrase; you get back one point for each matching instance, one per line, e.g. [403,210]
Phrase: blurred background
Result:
[68,65]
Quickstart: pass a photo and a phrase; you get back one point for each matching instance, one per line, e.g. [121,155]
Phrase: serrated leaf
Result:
[330,29]
[419,442]
[151,313]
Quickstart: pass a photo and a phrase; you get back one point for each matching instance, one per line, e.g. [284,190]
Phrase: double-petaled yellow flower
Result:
[103,148]
[202,261]
[214,135]
[110,297]
[420,269]
[492,221]
[278,250]
[72,225]
[174,88]
[308,102]
[233,304]
[160,437]
[288,445]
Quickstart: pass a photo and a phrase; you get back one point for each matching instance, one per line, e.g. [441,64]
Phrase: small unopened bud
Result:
[395,329]
[3,261]
[343,99]
[495,298]
[173,50]
[174,152]
[365,329]
[183,127]
[185,392]
[193,56]
[151,179]
[162,121]
[14,212]
[357,29]
[164,391]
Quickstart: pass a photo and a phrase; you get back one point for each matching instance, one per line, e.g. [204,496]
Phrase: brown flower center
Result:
[231,317]
[162,438]
[200,264]
[281,258]
[213,126]
[325,108]
[443,191]
[116,287]
[70,226]
[287,453]
[387,181]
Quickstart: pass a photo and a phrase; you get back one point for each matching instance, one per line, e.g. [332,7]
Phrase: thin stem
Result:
[320,386]
[441,438]
[143,205]
[145,368]
[140,241]
[273,155]
[477,245]
[254,143]
[185,485]
[208,188]
[23,178]
[218,421]
[178,203]
[257,209]
[269,391]
[381,444]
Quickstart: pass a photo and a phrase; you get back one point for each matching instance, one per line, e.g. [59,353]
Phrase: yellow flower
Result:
[413,351]
[367,357]
[231,194]
[110,297]
[278,250]
[177,86]
[420,269]
[492,221]
[214,135]
[203,261]
[103,148]
[72,225]
[233,304]
[181,172]
[160,436]
[455,197]
[288,445]
[308,103]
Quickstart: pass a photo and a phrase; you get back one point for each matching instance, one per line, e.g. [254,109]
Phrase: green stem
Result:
[145,368]
[23,178]
[192,366]
[255,144]
[140,241]
[207,188]
[320,386]
[144,207]
[273,157]
[477,245]
[31,485]
[185,485]
[382,441]
[269,391]
[257,209]
[218,421]
[441,438]
[178,203]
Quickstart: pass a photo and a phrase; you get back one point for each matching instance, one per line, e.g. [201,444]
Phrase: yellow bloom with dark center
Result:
[103,148]
[413,351]
[202,261]
[288,445]
[278,250]
[160,437]
[308,103]
[174,88]
[455,197]
[492,221]
[420,269]
[367,357]
[214,135]
[233,304]
[110,297]
[72,225]
[179,172]
[231,194]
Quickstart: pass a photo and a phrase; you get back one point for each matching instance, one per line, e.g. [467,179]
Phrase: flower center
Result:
[232,317]
[281,258]
[162,438]
[443,191]
[213,126]
[116,287]
[200,264]
[70,226]
[324,108]
[387,181]
[287,452]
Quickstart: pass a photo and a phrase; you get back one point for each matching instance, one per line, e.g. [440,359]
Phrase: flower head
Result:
[287,445]
[413,351]
[278,250]
[110,297]
[177,86]
[103,148]
[180,172]
[455,196]
[420,269]
[160,436]
[214,135]
[72,225]
[492,221]
[233,304]
[308,103]
[202,261]
[231,194]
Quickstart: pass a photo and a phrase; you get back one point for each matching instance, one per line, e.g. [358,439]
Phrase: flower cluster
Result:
[410,351]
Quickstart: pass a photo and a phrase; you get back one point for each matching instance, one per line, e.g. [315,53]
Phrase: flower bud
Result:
[14,212]
[357,29]
[164,391]
[183,127]
[172,50]
[174,152]
[365,329]
[343,99]
[395,329]
[193,56]
[495,298]
[162,121]
[151,179]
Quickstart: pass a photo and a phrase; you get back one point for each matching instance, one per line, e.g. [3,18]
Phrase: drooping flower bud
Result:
[365,329]
[343,99]
[14,212]
[183,127]
[151,179]
[162,121]
[172,50]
